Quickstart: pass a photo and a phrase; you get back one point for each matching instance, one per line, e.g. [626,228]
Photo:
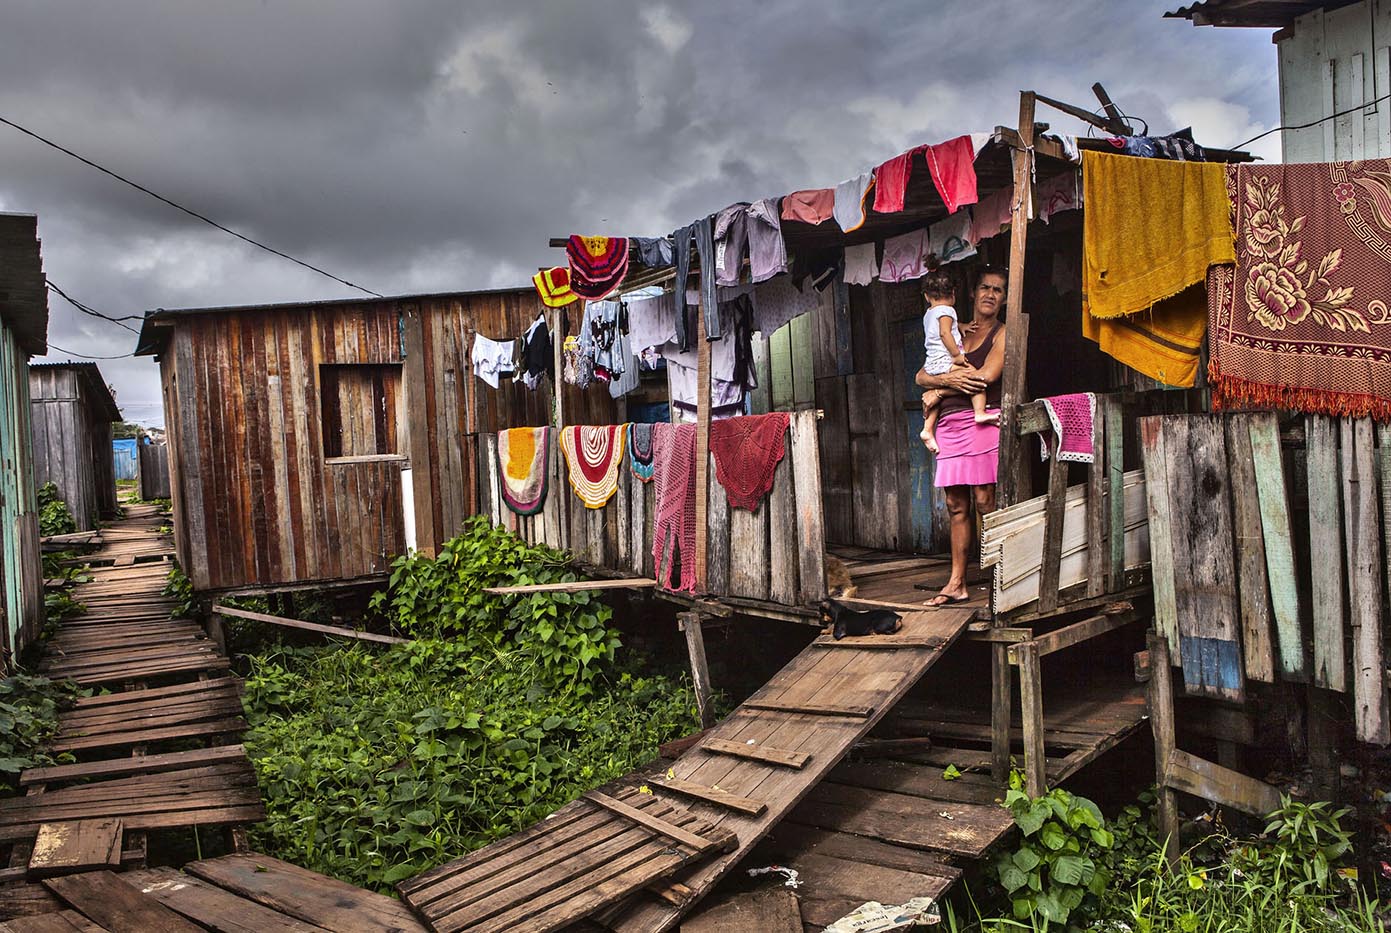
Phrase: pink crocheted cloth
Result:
[1072,417]
[747,452]
[673,453]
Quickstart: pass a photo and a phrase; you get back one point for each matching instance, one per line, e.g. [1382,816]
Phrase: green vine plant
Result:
[54,516]
[29,708]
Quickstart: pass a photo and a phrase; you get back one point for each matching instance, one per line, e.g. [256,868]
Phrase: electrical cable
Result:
[189,211]
[1305,126]
[85,356]
[94,313]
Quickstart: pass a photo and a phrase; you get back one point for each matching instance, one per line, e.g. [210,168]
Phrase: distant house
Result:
[294,429]
[1334,56]
[23,334]
[71,427]
[125,457]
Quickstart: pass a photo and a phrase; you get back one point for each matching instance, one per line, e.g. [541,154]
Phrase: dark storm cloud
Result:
[419,146]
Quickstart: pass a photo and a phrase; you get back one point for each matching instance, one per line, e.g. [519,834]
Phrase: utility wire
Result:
[1305,126]
[54,346]
[118,321]
[190,212]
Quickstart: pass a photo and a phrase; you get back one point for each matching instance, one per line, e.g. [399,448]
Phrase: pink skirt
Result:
[968,452]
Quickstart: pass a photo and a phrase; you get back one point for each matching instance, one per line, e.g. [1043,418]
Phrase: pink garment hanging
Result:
[1071,416]
[673,453]
[905,257]
[992,214]
[747,453]
[891,181]
[813,206]
[953,168]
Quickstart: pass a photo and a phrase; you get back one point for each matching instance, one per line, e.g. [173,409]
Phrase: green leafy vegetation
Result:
[1284,881]
[29,709]
[54,516]
[377,764]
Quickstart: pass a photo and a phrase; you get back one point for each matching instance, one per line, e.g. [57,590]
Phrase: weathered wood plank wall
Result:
[154,471]
[71,433]
[289,427]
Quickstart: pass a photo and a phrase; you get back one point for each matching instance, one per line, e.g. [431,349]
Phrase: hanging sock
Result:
[747,452]
[523,462]
[593,453]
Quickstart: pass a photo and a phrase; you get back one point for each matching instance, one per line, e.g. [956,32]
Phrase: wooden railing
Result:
[774,557]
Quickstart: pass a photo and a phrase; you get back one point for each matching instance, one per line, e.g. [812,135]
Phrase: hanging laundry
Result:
[777,301]
[1164,342]
[579,366]
[726,398]
[891,181]
[1072,417]
[813,206]
[950,240]
[523,465]
[905,257]
[654,252]
[820,267]
[767,251]
[1316,342]
[731,243]
[674,526]
[992,214]
[1151,229]
[681,240]
[599,336]
[1057,194]
[953,168]
[597,264]
[652,321]
[640,450]
[627,379]
[747,452]
[1178,146]
[537,353]
[553,285]
[492,359]
[593,454]
[861,264]
[705,251]
[727,353]
[850,201]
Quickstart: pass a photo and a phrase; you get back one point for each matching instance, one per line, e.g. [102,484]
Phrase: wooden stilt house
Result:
[305,438]
[73,410]
[23,334]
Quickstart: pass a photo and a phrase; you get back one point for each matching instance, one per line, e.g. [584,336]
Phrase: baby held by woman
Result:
[942,346]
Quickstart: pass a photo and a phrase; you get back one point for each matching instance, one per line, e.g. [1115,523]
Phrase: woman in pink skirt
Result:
[968,452]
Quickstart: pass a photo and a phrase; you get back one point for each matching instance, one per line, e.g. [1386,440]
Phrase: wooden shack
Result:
[71,424]
[301,436]
[23,334]
[154,469]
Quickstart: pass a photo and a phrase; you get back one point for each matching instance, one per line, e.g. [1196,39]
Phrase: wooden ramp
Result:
[135,770]
[749,771]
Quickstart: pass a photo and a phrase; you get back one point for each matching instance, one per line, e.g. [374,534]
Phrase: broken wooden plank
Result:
[337,630]
[1193,775]
[136,764]
[79,845]
[1362,531]
[63,921]
[1326,541]
[1152,444]
[773,911]
[755,752]
[654,823]
[1078,632]
[1054,510]
[111,903]
[1256,617]
[211,906]
[1285,608]
[715,795]
[811,709]
[574,586]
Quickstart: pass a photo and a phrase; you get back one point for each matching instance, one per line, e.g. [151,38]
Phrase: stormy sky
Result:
[434,146]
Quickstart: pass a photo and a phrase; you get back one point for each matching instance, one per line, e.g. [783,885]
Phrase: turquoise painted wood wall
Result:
[22,590]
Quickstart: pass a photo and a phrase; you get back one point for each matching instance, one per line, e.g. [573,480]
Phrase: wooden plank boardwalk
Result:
[169,690]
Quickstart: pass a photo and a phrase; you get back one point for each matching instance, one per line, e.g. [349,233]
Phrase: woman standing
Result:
[968,455]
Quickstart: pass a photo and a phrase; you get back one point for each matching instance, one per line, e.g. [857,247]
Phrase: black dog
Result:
[846,621]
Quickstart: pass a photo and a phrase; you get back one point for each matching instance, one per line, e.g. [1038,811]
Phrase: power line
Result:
[189,211]
[54,346]
[1305,126]
[119,322]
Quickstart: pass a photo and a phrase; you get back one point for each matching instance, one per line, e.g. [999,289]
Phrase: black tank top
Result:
[976,358]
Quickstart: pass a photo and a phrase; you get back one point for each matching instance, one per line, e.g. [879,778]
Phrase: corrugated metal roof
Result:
[1270,14]
[23,294]
[96,383]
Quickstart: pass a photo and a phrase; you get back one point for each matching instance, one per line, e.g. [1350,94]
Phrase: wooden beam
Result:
[427,537]
[1031,714]
[1013,470]
[811,709]
[1161,708]
[690,623]
[998,634]
[339,631]
[1193,775]
[1050,569]
[654,823]
[1086,116]
[574,586]
[720,798]
[1115,122]
[1098,527]
[1078,632]
[702,451]
[764,753]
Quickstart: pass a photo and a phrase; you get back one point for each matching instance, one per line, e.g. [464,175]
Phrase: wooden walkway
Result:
[135,769]
[753,768]
[892,576]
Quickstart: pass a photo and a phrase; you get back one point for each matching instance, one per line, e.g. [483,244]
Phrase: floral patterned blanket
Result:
[1302,321]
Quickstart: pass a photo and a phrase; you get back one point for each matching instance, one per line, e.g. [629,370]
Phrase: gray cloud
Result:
[435,145]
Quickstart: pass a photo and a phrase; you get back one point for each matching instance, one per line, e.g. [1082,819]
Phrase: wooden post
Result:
[558,382]
[689,622]
[1014,470]
[1161,707]
[1031,713]
[702,451]
[1054,507]
[1001,707]
[1323,715]
[418,430]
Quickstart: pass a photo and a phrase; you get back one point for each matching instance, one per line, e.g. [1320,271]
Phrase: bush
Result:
[54,516]
[29,709]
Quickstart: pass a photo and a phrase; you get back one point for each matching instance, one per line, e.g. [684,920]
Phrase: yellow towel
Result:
[1151,228]
[1163,342]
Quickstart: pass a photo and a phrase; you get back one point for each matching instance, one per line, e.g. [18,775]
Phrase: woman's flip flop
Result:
[942,599]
